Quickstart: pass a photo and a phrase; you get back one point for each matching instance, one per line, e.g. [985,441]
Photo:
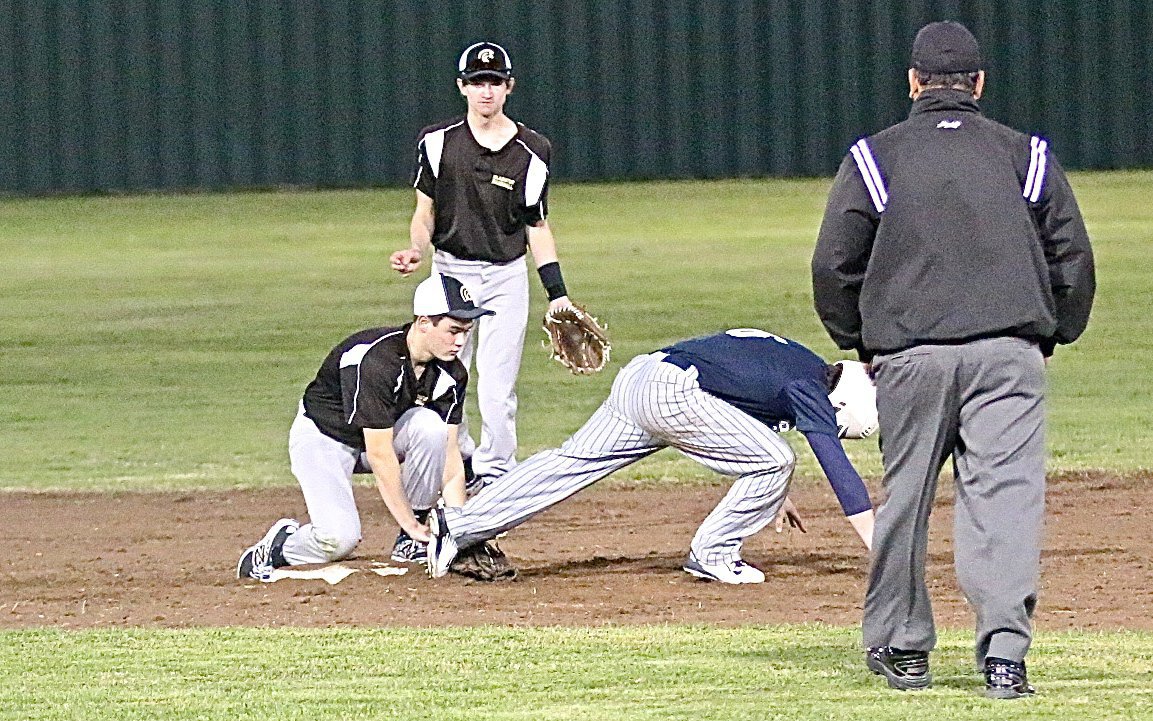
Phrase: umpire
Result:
[952,255]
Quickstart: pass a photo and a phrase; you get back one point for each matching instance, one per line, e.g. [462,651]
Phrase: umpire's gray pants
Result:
[983,403]
[324,468]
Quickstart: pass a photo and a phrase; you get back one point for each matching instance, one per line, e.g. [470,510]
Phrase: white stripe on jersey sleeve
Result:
[870,174]
[1036,176]
[434,147]
[352,357]
[535,180]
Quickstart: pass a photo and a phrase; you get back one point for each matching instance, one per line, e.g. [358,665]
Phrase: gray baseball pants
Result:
[324,468]
[498,341]
[652,405]
[983,404]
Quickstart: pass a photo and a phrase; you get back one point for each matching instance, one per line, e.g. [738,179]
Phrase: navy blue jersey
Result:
[782,384]
[775,380]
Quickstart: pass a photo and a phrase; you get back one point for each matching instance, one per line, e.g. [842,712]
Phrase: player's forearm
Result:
[851,491]
[542,244]
[863,524]
[544,254]
[453,492]
[423,224]
[420,235]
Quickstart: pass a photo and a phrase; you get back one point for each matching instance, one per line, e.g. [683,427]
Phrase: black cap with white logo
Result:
[445,295]
[946,47]
[484,60]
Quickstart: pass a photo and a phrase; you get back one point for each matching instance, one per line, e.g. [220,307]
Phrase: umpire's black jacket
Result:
[950,227]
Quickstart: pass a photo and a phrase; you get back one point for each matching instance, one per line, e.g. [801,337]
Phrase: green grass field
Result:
[751,673]
[162,342]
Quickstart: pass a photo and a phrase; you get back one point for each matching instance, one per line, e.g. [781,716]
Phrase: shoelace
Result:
[262,560]
[410,548]
[912,666]
[1008,675]
[906,663]
[262,556]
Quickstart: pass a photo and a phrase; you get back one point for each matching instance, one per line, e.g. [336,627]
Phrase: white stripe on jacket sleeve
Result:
[870,174]
[1035,179]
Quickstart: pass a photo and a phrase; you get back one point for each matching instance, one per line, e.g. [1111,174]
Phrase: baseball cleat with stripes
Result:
[264,556]
[904,670]
[442,548]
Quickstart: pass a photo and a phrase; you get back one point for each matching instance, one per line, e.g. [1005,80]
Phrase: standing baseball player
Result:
[722,400]
[481,201]
[953,257]
[385,400]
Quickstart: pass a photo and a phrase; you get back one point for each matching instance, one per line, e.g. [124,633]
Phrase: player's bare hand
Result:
[561,302]
[405,261]
[420,533]
[789,513]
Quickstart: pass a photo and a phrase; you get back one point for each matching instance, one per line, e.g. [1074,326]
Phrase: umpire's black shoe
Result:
[1006,679]
[904,670]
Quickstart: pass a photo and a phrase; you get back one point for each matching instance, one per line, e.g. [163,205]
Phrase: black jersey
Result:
[482,199]
[367,381]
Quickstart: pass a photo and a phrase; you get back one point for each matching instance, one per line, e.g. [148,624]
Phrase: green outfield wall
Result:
[127,95]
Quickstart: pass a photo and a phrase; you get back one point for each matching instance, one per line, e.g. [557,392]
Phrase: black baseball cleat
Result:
[266,555]
[407,549]
[904,670]
[1006,679]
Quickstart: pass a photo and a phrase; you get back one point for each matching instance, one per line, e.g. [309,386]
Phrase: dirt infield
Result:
[607,556]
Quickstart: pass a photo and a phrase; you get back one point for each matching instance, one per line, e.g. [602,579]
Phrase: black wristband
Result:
[552,280]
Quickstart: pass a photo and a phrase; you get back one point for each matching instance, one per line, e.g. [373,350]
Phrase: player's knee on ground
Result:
[335,545]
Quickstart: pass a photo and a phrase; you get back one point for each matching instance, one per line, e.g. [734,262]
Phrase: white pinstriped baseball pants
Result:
[652,405]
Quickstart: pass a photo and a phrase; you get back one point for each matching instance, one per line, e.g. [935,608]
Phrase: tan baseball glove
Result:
[578,341]
[484,562]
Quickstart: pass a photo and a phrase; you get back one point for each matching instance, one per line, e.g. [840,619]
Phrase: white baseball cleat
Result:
[729,570]
[442,547]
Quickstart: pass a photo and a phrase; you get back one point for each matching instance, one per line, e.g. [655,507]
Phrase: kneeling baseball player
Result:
[721,400]
[387,400]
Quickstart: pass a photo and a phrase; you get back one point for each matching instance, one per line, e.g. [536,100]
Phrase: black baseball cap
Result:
[484,60]
[946,47]
[445,295]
